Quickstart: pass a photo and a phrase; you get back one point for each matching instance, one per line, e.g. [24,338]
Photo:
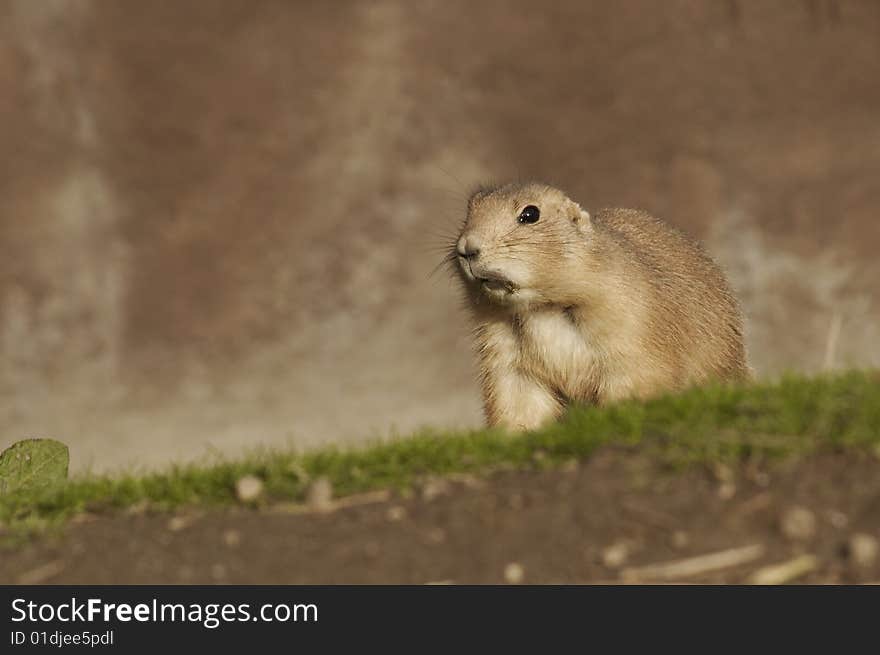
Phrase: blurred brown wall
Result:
[218,219]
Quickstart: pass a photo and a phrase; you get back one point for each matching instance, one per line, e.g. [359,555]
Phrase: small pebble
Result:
[232,538]
[838,519]
[863,549]
[178,523]
[320,494]
[84,517]
[138,508]
[798,524]
[514,573]
[434,488]
[616,555]
[570,466]
[680,539]
[396,513]
[249,488]
[723,473]
[726,490]
[218,572]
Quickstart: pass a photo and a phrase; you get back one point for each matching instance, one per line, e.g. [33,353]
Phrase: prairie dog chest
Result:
[553,347]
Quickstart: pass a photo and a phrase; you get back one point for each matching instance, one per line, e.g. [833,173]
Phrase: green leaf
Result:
[33,463]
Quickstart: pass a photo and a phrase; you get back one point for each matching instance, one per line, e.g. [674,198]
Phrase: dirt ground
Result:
[605,520]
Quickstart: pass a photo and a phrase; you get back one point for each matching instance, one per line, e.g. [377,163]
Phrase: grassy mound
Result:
[793,416]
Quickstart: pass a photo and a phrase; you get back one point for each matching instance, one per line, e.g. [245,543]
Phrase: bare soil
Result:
[600,521]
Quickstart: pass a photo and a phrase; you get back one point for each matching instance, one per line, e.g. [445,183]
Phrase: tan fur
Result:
[581,308]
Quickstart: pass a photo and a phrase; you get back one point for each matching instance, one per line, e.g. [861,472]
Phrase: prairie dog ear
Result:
[579,217]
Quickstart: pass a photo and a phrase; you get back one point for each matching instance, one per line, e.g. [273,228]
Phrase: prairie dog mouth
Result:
[497,285]
[492,284]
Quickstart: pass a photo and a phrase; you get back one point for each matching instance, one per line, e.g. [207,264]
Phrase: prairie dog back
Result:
[693,311]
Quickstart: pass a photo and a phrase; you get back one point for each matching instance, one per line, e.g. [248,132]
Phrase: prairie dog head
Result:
[518,243]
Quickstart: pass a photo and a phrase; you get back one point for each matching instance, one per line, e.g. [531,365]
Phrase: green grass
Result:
[793,416]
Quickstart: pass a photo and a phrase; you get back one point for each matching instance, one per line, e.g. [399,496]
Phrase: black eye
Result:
[530,214]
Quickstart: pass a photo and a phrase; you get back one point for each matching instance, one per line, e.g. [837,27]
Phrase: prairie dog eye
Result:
[530,214]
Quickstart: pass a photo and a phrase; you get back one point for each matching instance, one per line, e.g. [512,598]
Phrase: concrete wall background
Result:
[218,219]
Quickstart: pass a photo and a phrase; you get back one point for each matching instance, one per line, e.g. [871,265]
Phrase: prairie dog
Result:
[573,307]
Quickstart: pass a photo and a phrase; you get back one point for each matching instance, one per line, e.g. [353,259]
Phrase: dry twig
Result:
[693,566]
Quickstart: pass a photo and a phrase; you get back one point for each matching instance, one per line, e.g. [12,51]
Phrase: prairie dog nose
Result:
[469,245]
